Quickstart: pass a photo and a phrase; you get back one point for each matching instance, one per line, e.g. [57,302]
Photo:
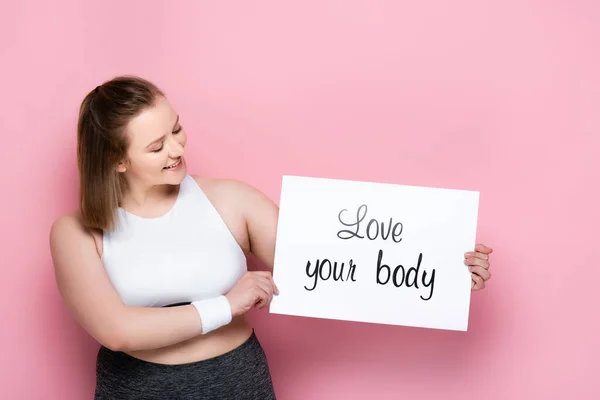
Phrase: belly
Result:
[201,347]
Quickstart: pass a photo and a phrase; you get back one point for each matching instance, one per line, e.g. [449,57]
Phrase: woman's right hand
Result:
[254,289]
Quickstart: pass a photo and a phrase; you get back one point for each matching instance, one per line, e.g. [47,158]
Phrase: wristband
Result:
[214,313]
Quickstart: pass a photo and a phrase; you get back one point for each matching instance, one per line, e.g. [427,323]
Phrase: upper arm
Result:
[82,281]
[261,215]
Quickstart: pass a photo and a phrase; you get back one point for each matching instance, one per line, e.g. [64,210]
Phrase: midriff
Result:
[200,347]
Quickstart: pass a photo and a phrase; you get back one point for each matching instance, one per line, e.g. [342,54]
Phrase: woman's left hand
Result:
[478,262]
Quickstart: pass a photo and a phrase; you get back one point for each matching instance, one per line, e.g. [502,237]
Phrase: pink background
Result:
[499,96]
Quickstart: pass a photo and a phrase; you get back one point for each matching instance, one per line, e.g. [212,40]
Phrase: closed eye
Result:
[176,131]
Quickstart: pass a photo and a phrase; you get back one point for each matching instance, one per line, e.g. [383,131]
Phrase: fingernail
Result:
[471,269]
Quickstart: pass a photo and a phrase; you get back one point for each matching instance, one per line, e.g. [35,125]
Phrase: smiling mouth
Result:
[173,165]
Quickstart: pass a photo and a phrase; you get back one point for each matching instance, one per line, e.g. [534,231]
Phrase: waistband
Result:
[107,357]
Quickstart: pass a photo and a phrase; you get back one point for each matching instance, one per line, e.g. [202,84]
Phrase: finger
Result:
[477,262]
[483,249]
[272,291]
[477,254]
[477,282]
[267,288]
[275,289]
[482,272]
[266,285]
[263,297]
[267,275]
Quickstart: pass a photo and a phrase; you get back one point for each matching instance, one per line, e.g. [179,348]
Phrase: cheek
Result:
[148,164]
[156,163]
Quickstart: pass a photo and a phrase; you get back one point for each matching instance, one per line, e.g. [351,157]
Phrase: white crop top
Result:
[188,254]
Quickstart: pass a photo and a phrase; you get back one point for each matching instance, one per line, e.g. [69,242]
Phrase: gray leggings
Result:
[240,374]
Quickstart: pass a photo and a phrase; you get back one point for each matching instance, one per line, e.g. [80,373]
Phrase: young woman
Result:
[153,263]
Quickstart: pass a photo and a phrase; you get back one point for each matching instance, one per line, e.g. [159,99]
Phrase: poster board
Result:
[374,252]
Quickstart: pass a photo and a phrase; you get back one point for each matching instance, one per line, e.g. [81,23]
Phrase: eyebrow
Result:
[163,136]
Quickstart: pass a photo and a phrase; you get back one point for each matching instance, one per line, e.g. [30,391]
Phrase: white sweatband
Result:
[214,313]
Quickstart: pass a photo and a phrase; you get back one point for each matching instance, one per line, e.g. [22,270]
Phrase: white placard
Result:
[374,252]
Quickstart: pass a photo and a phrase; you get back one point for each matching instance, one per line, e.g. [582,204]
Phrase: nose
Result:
[175,148]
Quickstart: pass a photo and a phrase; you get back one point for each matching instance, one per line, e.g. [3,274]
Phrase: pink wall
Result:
[500,96]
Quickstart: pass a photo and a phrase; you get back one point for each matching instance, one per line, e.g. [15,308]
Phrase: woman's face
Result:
[156,145]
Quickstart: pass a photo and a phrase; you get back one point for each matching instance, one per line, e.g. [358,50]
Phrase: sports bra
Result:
[185,255]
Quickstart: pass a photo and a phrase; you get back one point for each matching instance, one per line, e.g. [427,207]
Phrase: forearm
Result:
[144,328]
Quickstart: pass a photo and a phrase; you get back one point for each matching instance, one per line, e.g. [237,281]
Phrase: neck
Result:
[146,197]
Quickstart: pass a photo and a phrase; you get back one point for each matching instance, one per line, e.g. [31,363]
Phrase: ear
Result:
[121,166]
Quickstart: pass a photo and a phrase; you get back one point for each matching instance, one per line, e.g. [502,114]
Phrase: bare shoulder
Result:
[68,230]
[223,186]
[233,192]
[67,226]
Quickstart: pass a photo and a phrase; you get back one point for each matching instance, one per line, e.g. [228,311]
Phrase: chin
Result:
[176,176]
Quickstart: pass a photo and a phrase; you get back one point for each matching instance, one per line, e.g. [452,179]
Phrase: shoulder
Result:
[244,198]
[223,186]
[232,191]
[67,224]
[69,230]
